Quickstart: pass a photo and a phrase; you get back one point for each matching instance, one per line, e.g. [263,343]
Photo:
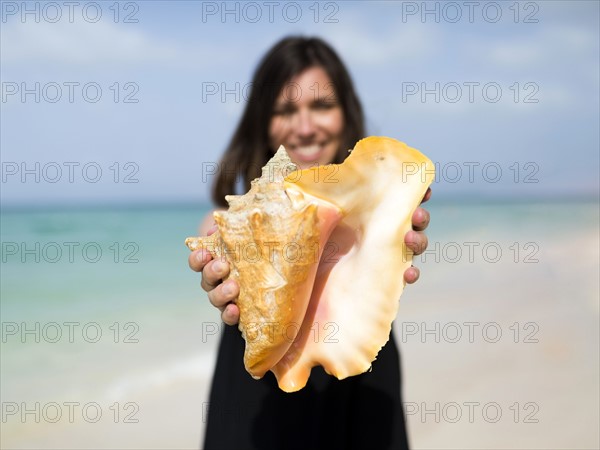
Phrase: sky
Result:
[134,102]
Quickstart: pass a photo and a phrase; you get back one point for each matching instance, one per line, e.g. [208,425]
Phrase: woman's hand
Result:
[416,239]
[221,294]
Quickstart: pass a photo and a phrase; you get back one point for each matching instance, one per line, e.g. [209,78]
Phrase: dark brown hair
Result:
[249,149]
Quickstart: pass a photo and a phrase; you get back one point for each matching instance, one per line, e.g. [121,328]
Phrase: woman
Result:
[303,98]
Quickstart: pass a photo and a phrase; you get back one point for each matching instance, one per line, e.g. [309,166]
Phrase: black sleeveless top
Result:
[360,412]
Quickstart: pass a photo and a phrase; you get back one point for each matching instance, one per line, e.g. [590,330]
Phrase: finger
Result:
[223,293]
[411,275]
[198,259]
[231,314]
[417,241]
[420,219]
[427,195]
[213,273]
[212,229]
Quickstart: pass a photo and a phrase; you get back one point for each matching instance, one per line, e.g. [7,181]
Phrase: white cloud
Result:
[542,48]
[365,47]
[104,45]
[82,44]
[516,53]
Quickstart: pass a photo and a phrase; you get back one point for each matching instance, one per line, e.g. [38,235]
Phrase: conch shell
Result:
[319,255]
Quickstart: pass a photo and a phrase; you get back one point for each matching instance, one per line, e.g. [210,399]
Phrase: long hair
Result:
[249,149]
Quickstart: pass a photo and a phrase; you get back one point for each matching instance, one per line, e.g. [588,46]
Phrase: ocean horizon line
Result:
[112,204]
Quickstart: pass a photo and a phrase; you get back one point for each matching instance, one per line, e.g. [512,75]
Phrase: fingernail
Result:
[227,289]
[218,266]
[201,256]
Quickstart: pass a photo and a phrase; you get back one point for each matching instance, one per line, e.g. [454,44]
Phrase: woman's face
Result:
[307,119]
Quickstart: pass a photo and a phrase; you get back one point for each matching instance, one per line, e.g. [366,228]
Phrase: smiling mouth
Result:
[308,151]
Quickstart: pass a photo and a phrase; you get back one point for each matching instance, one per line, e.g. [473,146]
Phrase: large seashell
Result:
[319,255]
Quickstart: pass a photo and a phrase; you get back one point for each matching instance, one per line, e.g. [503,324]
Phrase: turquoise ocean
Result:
[98,301]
